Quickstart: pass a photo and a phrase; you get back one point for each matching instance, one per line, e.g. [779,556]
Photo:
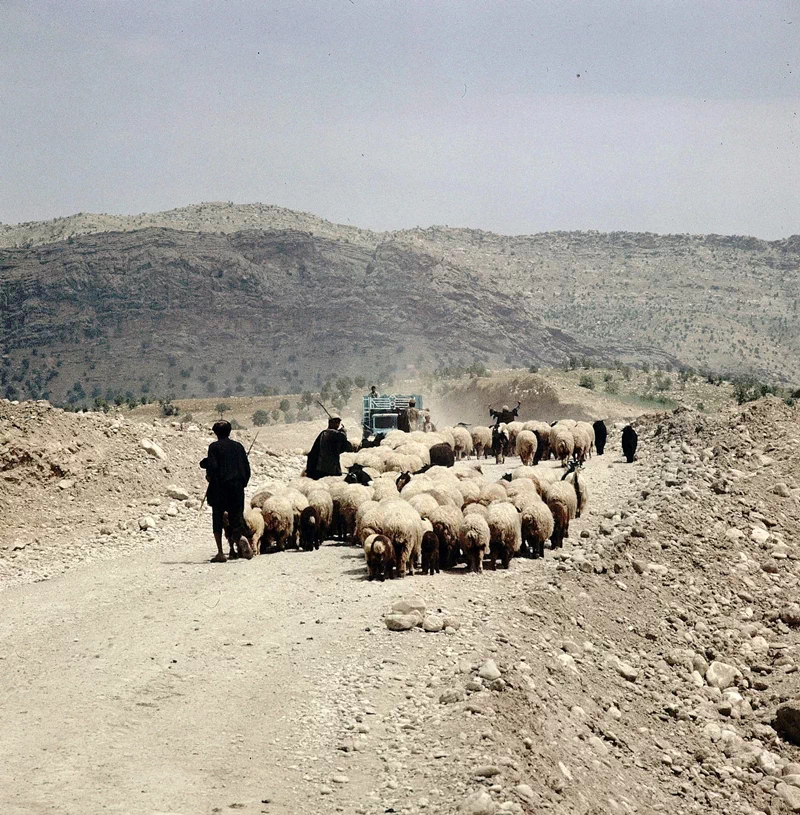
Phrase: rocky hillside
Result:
[226,299]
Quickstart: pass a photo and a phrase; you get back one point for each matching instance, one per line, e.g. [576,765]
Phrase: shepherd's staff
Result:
[202,503]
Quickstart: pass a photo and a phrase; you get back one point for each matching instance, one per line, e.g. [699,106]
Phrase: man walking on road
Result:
[227,472]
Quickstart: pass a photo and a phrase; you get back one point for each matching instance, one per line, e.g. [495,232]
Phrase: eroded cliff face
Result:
[219,307]
[127,307]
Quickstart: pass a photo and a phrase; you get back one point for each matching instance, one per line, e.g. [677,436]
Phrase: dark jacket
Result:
[324,456]
[226,466]
[504,416]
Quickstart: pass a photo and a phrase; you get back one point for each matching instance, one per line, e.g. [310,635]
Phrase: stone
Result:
[66,483]
[153,449]
[524,791]
[451,696]
[401,622]
[487,771]
[178,493]
[791,614]
[759,535]
[489,671]
[720,675]
[147,522]
[789,794]
[452,622]
[787,721]
[734,534]
[624,669]
[479,803]
[432,624]
[408,604]
[782,490]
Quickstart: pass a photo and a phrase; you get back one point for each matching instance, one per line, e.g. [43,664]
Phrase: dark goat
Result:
[357,475]
[430,553]
[376,442]
[402,480]
[600,436]
[499,443]
[310,529]
[629,441]
[442,455]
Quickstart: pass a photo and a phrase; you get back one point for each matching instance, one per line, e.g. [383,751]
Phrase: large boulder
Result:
[153,449]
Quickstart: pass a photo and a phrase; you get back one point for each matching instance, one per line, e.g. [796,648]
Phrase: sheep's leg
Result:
[505,557]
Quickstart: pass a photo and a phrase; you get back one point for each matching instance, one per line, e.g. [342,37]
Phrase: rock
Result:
[479,803]
[451,696]
[782,490]
[408,604]
[734,534]
[606,528]
[402,622]
[340,779]
[147,522]
[489,671]
[524,791]
[178,493]
[787,721]
[791,614]
[624,669]
[639,566]
[452,622]
[153,449]
[66,483]
[759,535]
[719,675]
[487,771]
[433,624]
[790,795]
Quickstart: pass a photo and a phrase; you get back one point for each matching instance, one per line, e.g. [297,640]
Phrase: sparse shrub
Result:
[222,408]
[260,418]
[284,405]
[701,406]
[187,418]
[236,426]
[533,369]
[612,387]
[586,381]
[607,377]
[167,408]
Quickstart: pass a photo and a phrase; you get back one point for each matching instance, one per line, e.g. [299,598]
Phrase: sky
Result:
[515,117]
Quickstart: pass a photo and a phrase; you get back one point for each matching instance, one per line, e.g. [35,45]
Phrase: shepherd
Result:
[227,472]
[504,415]
[323,459]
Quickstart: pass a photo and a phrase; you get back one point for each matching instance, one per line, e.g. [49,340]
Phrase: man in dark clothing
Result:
[328,446]
[504,415]
[227,472]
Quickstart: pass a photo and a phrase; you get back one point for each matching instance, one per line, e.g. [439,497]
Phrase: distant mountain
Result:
[219,298]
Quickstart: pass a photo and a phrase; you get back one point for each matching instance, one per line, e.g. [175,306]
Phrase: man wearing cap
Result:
[227,472]
[328,446]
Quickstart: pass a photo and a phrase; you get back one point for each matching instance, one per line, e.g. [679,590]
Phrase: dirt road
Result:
[159,683]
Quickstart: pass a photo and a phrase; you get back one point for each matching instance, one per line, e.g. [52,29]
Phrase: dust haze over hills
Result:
[221,298]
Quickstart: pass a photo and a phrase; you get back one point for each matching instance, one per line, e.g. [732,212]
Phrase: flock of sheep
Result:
[411,516]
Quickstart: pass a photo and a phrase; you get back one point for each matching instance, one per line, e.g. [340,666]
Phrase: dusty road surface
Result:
[160,683]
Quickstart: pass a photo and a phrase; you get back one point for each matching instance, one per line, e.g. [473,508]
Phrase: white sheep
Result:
[447,521]
[474,538]
[402,524]
[476,509]
[481,440]
[424,503]
[562,442]
[537,524]
[462,442]
[563,503]
[492,492]
[347,504]
[578,482]
[278,520]
[512,431]
[505,538]
[526,446]
[321,500]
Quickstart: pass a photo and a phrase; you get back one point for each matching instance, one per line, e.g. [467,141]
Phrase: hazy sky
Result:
[516,117]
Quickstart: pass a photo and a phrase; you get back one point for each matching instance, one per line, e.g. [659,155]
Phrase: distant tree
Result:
[260,418]
[167,408]
[586,381]
[222,408]
[276,415]
[284,405]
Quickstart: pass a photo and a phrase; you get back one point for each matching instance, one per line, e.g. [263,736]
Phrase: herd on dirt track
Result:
[411,516]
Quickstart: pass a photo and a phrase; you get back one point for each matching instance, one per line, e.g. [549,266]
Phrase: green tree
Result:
[284,405]
[586,381]
[222,408]
[260,418]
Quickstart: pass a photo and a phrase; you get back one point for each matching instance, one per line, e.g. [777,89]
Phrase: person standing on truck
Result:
[373,392]
[323,459]
[504,415]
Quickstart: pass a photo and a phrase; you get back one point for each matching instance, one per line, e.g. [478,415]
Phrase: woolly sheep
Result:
[384,488]
[481,440]
[347,504]
[379,554]
[402,524]
[446,434]
[505,538]
[582,443]
[321,500]
[367,520]
[421,451]
[470,492]
[526,446]
[442,455]
[462,446]
[476,509]
[244,542]
[304,485]
[424,503]
[542,432]
[447,522]
[512,431]
[536,521]
[492,492]
[588,428]
[278,516]
[561,499]
[474,539]
[578,482]
[562,442]
[416,486]
[522,486]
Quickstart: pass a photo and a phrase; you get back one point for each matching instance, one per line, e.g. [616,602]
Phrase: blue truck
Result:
[379,414]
